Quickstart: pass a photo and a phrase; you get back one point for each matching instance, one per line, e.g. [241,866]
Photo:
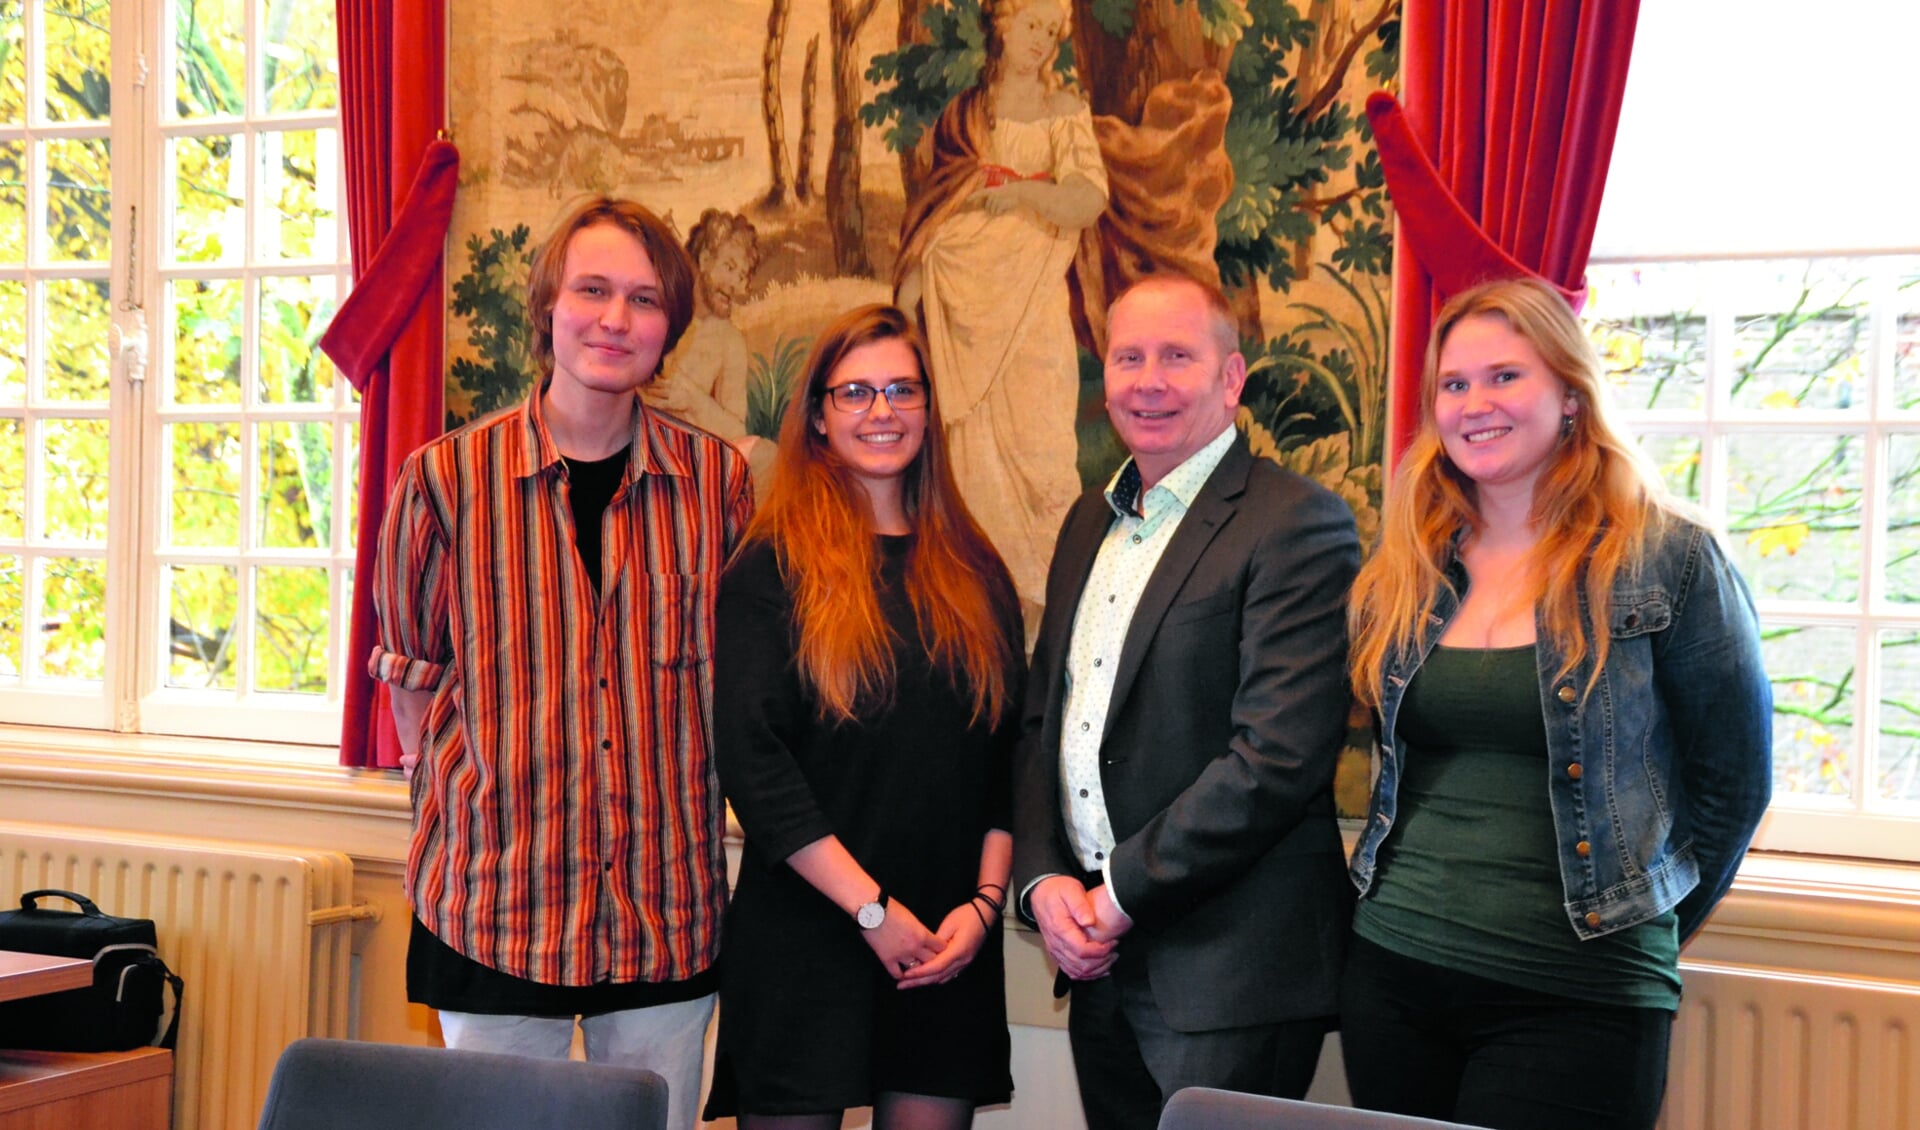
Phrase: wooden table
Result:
[30,974]
[95,1090]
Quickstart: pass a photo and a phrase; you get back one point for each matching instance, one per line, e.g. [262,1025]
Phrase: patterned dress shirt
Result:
[567,821]
[1142,527]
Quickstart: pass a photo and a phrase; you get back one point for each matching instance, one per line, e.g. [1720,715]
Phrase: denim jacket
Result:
[1659,776]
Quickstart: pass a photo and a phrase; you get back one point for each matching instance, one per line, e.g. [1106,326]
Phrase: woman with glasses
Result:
[866,677]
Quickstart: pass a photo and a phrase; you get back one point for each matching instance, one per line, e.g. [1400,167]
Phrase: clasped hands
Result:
[914,955]
[1080,928]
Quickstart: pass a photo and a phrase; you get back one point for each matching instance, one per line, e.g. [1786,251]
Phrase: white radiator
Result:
[1755,1050]
[262,935]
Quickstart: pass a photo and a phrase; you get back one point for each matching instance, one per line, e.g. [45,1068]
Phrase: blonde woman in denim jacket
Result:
[1556,808]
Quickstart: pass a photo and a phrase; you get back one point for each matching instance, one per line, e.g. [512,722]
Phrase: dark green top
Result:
[1469,879]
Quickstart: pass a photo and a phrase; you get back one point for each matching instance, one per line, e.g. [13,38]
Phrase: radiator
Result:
[1758,1050]
[262,935]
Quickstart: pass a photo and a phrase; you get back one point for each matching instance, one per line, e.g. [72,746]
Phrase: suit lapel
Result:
[1072,565]
[1211,510]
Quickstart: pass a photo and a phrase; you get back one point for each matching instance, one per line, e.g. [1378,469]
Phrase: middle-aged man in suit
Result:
[1174,837]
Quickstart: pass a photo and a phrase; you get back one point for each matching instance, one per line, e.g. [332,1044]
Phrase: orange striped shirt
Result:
[567,824]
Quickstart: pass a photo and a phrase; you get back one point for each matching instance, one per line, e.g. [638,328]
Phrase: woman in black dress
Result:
[866,677]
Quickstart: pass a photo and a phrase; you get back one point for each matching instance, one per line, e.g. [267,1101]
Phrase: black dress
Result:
[809,1021]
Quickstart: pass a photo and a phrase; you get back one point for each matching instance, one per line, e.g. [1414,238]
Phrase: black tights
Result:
[892,1110]
[1422,1040]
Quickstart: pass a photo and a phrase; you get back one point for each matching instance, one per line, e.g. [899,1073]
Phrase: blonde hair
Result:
[1595,503]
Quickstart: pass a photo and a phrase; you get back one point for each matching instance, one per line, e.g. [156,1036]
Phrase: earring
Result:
[1566,424]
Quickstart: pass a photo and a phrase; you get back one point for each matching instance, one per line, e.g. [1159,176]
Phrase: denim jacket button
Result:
[1583,849]
[1574,771]
[1564,694]
[1593,919]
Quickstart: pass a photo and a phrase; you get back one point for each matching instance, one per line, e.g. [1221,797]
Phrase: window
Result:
[177,459]
[1783,396]
[1756,282]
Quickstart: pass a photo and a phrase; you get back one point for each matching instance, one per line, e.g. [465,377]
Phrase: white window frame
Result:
[1860,824]
[134,697]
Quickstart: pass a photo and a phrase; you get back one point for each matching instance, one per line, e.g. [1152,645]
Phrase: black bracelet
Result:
[977,899]
[980,916]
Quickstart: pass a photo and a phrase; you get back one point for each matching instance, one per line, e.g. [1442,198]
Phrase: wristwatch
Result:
[872,914]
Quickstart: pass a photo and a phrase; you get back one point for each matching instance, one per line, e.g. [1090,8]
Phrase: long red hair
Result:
[820,525]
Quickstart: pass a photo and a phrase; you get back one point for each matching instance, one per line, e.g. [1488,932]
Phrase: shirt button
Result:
[1583,849]
[1098,662]
[1109,598]
[607,867]
[1593,919]
[1574,771]
[1085,726]
[606,743]
[1136,539]
[1083,792]
[1564,694]
[603,684]
[1099,855]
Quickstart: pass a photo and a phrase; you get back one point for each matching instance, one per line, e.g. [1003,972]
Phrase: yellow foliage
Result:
[1788,537]
[1780,398]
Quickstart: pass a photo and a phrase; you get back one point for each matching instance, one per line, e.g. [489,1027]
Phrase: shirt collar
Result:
[1183,482]
[538,451]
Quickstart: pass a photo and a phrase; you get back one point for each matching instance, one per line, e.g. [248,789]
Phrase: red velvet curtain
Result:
[387,335]
[1498,161]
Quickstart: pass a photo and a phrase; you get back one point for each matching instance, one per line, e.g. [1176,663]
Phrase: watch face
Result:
[871,916]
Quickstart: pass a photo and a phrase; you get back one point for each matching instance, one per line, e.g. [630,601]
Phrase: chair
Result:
[1203,1108]
[346,1085]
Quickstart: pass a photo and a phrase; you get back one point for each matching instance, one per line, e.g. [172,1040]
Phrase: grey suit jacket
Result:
[1228,714]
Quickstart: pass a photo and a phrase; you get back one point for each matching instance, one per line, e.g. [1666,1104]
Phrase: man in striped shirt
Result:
[545,592]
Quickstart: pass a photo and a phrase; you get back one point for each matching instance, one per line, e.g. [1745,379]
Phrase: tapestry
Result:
[1002,166]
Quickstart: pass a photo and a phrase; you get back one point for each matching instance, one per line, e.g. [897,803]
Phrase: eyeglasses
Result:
[902,396]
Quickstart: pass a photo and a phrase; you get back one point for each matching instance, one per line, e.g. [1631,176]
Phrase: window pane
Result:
[73,621]
[210,218]
[1813,708]
[1906,347]
[13,201]
[298,67]
[293,314]
[78,63]
[1647,323]
[1793,510]
[79,366]
[74,508]
[353,490]
[296,486]
[13,597]
[13,62]
[301,214]
[1903,519]
[290,634]
[205,501]
[1806,350]
[13,342]
[1900,715]
[207,335]
[13,480]
[78,210]
[201,602]
[1678,459]
[210,53]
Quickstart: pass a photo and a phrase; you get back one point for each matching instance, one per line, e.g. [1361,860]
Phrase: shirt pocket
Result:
[679,619]
[1640,613]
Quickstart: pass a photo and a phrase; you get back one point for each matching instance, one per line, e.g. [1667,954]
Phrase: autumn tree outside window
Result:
[177,458]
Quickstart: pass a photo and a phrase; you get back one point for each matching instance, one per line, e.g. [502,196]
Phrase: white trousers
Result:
[667,1039]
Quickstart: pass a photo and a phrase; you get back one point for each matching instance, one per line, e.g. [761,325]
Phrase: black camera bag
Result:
[122,1009]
